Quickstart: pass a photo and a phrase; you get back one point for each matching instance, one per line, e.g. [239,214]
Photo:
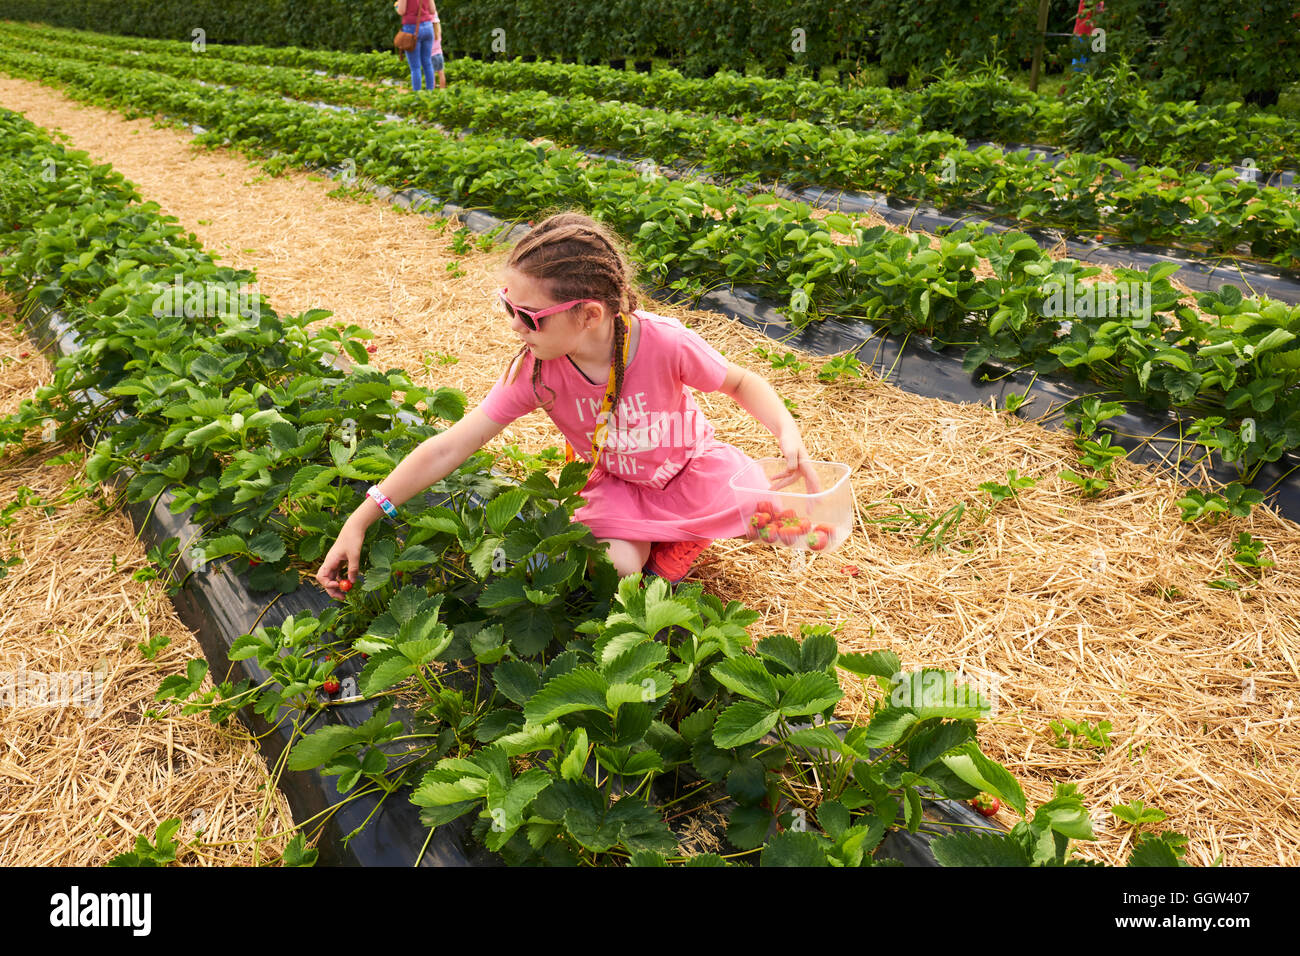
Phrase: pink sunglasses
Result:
[530,318]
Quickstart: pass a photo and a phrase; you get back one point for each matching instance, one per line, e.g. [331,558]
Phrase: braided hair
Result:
[577,257]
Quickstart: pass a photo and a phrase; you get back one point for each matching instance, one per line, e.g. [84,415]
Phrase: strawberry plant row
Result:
[1236,371]
[586,688]
[978,106]
[1083,193]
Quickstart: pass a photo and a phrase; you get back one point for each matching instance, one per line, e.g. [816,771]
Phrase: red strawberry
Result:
[850,569]
[789,529]
[345,585]
[23,354]
[768,533]
[253,562]
[147,456]
[372,349]
[760,519]
[331,686]
[986,804]
[817,539]
[766,506]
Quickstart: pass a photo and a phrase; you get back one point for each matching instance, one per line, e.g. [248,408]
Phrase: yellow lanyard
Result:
[600,432]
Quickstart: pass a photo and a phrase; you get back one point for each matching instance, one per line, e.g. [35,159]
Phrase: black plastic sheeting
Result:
[913,365]
[1278,178]
[1200,273]
[219,608]
[940,817]
[364,831]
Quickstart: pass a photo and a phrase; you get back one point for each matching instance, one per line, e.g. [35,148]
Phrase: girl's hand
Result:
[341,561]
[798,462]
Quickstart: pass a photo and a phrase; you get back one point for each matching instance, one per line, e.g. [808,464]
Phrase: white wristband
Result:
[382,500]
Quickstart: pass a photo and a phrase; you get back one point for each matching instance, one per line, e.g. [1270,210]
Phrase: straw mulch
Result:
[79,781]
[1082,609]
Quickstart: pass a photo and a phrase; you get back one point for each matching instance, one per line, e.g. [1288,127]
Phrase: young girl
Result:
[658,493]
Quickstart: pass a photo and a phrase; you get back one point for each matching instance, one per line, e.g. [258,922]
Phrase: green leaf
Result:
[297,854]
[580,689]
[517,680]
[501,509]
[743,723]
[1000,781]
[747,826]
[746,675]
[383,670]
[810,694]
[977,849]
[883,664]
[793,848]
[316,749]
[888,726]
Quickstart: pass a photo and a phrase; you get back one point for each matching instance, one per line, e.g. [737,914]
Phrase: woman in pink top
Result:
[659,493]
[421,18]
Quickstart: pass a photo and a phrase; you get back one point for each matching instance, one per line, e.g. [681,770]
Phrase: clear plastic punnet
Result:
[794,511]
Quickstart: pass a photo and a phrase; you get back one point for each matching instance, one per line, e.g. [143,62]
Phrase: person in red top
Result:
[1083,29]
[421,18]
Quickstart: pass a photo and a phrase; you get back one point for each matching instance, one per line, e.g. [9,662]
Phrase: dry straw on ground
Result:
[1080,609]
[79,781]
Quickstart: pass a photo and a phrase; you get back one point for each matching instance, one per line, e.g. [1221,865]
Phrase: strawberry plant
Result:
[1000,492]
[1080,734]
[158,853]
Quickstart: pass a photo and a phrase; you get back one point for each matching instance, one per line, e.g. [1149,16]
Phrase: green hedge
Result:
[1245,48]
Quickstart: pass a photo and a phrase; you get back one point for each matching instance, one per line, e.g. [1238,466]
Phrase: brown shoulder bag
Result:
[406,41]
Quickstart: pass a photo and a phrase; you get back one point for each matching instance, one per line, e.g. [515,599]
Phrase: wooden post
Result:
[1038,46]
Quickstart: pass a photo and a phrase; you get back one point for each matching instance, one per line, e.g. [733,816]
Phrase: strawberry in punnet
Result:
[760,519]
[818,538]
[331,686]
[986,804]
[790,528]
[766,506]
[768,533]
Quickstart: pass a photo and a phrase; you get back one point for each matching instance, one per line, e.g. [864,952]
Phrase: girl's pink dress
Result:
[662,476]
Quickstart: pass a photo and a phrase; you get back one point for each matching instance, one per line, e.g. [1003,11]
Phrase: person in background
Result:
[438,61]
[1083,30]
[421,18]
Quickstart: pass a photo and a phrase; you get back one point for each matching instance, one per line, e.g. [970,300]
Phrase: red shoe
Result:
[672,559]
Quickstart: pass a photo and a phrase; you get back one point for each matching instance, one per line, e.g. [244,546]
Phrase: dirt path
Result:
[1078,609]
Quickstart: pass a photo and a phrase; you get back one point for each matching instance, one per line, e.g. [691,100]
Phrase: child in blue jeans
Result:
[421,18]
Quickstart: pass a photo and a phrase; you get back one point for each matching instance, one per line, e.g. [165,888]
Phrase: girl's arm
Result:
[400,7]
[756,395]
[430,462]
